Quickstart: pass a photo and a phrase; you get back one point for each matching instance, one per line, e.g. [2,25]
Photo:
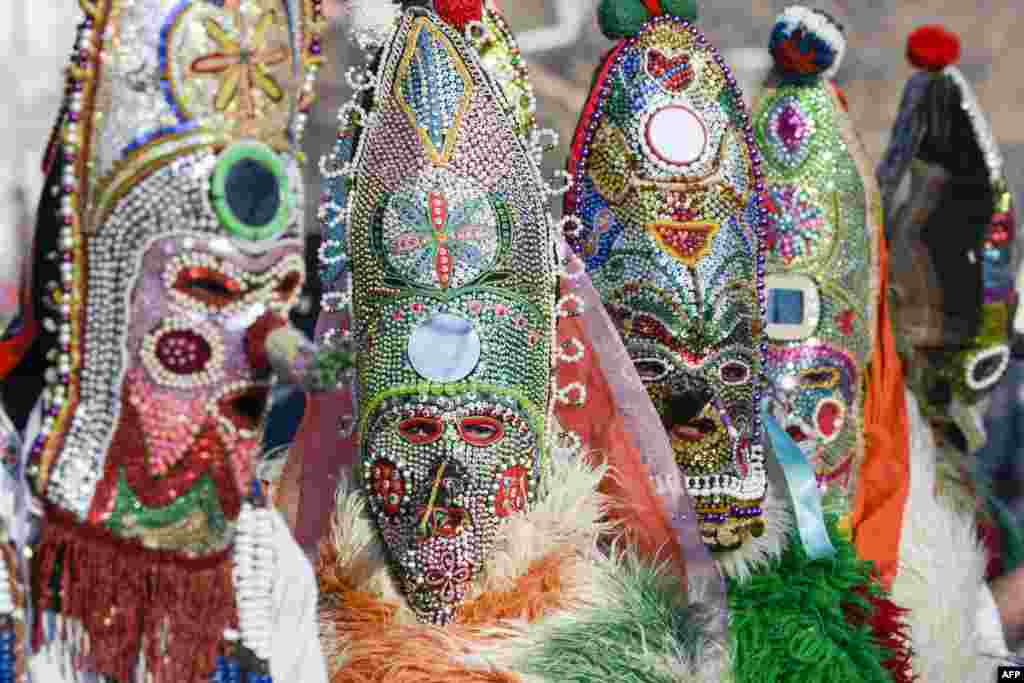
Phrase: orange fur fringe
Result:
[379,649]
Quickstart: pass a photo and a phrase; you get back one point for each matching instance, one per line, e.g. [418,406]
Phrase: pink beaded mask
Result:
[180,195]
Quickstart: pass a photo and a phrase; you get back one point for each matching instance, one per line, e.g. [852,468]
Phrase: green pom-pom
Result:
[621,18]
[684,9]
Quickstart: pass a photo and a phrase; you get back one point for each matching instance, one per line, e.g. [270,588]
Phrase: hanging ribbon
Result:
[803,488]
[883,482]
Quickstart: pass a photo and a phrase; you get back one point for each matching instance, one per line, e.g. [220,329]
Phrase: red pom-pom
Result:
[933,48]
[256,340]
[458,13]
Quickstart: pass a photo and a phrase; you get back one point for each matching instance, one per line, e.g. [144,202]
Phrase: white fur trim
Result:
[941,580]
[569,518]
[372,21]
[820,26]
[756,553]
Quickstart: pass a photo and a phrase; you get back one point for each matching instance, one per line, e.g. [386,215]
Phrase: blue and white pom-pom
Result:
[807,44]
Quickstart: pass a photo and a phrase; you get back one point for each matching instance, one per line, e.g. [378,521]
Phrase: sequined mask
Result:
[821,234]
[192,400]
[667,197]
[950,215]
[181,244]
[453,302]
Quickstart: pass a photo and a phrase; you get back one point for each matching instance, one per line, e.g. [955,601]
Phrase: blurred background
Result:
[563,45]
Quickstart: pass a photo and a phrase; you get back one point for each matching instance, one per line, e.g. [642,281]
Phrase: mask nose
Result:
[444,514]
[686,406]
[685,414]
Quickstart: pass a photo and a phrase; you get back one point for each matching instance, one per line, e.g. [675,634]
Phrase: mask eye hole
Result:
[421,430]
[820,378]
[985,369]
[734,372]
[481,431]
[651,369]
[208,286]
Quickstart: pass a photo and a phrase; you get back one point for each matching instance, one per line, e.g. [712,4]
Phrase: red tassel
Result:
[890,630]
[459,13]
[893,634]
[256,340]
[933,48]
[131,601]
[991,539]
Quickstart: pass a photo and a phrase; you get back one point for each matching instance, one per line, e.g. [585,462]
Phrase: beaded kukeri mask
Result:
[453,298]
[177,166]
[820,236]
[667,193]
[949,214]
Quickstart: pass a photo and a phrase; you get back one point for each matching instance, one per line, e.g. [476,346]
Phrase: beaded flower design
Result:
[821,235]
[667,190]
[437,208]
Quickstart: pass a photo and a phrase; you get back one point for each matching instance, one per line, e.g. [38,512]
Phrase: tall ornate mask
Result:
[454,287]
[821,237]
[179,250]
[181,229]
[950,215]
[667,192]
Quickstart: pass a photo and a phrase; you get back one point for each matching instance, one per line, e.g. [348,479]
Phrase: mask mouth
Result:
[694,430]
[803,435]
[797,433]
[244,408]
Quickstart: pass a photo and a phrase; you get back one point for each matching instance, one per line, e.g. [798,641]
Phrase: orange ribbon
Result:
[883,484]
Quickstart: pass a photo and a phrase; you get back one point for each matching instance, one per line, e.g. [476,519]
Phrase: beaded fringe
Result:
[132,602]
[13,636]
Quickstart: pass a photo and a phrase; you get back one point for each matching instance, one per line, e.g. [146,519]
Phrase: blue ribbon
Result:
[803,488]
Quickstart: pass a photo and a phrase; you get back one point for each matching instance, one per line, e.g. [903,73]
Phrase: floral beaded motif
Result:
[821,266]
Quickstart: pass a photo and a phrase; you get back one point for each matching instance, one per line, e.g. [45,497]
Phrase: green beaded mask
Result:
[821,236]
[453,305]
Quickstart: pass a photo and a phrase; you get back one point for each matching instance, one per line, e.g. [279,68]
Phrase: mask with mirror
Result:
[176,184]
[822,240]
[950,218]
[668,196]
[453,305]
